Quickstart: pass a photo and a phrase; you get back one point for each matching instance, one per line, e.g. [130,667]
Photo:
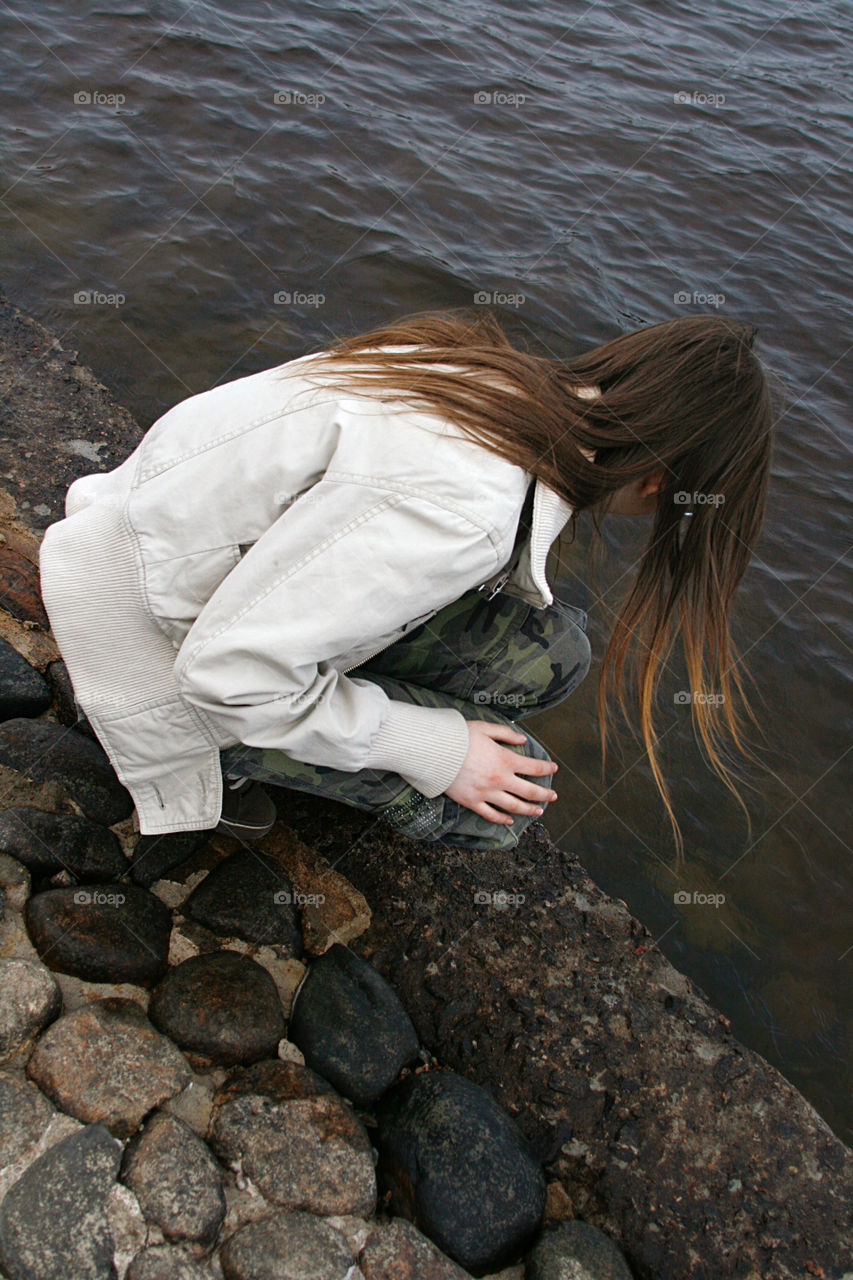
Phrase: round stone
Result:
[176,1180]
[111,932]
[222,1006]
[307,1153]
[248,896]
[576,1250]
[29,999]
[47,842]
[286,1246]
[458,1166]
[48,752]
[52,1221]
[351,1026]
[23,690]
[106,1062]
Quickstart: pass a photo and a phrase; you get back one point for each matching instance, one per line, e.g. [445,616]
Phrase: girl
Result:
[386,508]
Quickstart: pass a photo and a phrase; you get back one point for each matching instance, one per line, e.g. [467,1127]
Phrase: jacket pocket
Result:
[178,588]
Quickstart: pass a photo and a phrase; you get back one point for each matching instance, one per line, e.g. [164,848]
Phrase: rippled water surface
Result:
[598,167]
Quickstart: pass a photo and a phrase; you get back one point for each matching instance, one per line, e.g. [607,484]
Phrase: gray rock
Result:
[398,1251]
[351,1026]
[286,1246]
[457,1166]
[15,881]
[176,1180]
[46,842]
[223,1006]
[45,752]
[306,1153]
[248,896]
[52,1222]
[106,1062]
[25,1114]
[575,1250]
[23,690]
[112,932]
[165,1262]
[29,999]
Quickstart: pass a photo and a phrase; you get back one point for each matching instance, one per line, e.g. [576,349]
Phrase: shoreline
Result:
[692,1151]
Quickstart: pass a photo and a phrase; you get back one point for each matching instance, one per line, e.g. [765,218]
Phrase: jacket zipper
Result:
[368,656]
[497,584]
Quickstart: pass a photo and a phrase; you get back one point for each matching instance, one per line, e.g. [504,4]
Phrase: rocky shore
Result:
[340,1053]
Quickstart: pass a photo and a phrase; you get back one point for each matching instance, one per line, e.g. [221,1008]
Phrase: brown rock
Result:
[399,1251]
[333,910]
[106,1062]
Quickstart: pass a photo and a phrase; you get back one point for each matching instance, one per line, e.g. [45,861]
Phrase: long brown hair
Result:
[686,395]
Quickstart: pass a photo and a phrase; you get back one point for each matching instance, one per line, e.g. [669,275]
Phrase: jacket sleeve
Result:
[348,563]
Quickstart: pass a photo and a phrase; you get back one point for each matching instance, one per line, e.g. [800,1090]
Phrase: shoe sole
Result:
[243,831]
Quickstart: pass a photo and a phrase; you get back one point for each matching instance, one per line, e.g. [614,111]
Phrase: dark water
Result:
[634,162]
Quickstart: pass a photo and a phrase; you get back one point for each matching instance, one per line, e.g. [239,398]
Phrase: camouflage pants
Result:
[497,660]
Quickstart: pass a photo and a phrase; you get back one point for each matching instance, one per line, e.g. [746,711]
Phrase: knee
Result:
[571,659]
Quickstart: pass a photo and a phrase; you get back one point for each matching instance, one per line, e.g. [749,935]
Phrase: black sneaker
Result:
[248,811]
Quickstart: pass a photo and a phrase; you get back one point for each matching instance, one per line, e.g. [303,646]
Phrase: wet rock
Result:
[23,690]
[332,909]
[165,1262]
[52,1221]
[576,1250]
[44,751]
[286,1246]
[222,1006]
[248,896]
[19,584]
[106,1063]
[64,701]
[29,1000]
[154,856]
[457,1166]
[351,1026]
[305,1153]
[272,1078]
[110,932]
[398,1251]
[47,842]
[176,1180]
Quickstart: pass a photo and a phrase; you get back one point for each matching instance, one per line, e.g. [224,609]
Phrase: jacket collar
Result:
[525,572]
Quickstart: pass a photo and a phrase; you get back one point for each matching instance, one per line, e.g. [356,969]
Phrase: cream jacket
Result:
[263,539]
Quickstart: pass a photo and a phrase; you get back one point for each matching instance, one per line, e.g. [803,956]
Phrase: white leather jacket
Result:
[265,537]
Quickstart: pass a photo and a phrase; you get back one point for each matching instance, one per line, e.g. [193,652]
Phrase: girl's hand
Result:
[489,775]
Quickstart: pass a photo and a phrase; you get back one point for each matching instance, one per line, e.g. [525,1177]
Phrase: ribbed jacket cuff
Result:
[426,745]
